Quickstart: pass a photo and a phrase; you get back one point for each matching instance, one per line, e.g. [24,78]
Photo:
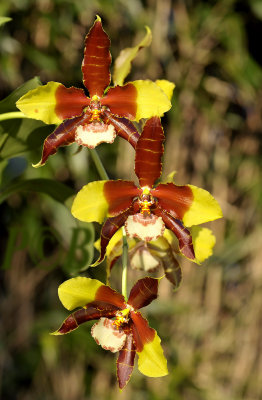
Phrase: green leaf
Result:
[57,190]
[18,136]
[3,20]
[8,104]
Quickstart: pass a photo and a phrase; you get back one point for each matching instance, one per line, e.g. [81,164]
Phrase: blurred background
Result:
[211,327]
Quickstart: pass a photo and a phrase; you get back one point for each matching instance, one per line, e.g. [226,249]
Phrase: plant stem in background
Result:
[99,165]
[12,115]
[103,175]
[124,261]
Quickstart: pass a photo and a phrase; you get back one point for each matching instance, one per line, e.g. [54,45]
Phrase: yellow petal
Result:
[77,292]
[122,65]
[167,87]
[204,208]
[151,361]
[203,241]
[151,100]
[90,204]
[40,103]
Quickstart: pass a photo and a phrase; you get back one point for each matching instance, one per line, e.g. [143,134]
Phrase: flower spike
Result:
[146,211]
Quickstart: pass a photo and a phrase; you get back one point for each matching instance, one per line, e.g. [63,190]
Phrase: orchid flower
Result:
[121,327]
[160,253]
[146,210]
[89,121]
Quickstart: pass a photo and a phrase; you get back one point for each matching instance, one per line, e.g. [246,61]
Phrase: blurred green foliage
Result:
[211,328]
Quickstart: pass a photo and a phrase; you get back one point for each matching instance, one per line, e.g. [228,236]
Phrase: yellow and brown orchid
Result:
[146,210]
[160,253]
[107,111]
[121,327]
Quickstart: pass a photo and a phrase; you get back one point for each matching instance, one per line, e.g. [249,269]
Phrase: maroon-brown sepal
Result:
[63,135]
[109,228]
[97,60]
[108,297]
[142,333]
[86,314]
[149,151]
[183,235]
[70,102]
[176,200]
[143,292]
[119,195]
[125,361]
[121,101]
[123,127]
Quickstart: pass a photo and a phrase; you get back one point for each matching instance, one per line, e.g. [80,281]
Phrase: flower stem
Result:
[124,261]
[99,165]
[12,115]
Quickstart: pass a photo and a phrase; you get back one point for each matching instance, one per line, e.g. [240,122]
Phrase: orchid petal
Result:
[119,195]
[122,64]
[108,336]
[151,359]
[122,101]
[183,235]
[141,258]
[109,228]
[80,291]
[167,87]
[136,100]
[161,249]
[203,241]
[176,200]
[149,151]
[125,361]
[90,313]
[204,208]
[143,292]
[123,127]
[97,60]
[63,135]
[151,100]
[52,103]
[90,203]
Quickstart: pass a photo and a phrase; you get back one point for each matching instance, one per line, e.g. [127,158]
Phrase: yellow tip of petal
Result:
[38,165]
[98,18]
[56,333]
[204,208]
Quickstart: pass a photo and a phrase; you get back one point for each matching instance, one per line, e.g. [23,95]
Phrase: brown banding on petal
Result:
[70,102]
[183,235]
[125,361]
[169,262]
[109,229]
[97,60]
[176,200]
[121,101]
[123,127]
[143,292]
[149,151]
[142,333]
[119,195]
[83,315]
[109,296]
[63,135]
